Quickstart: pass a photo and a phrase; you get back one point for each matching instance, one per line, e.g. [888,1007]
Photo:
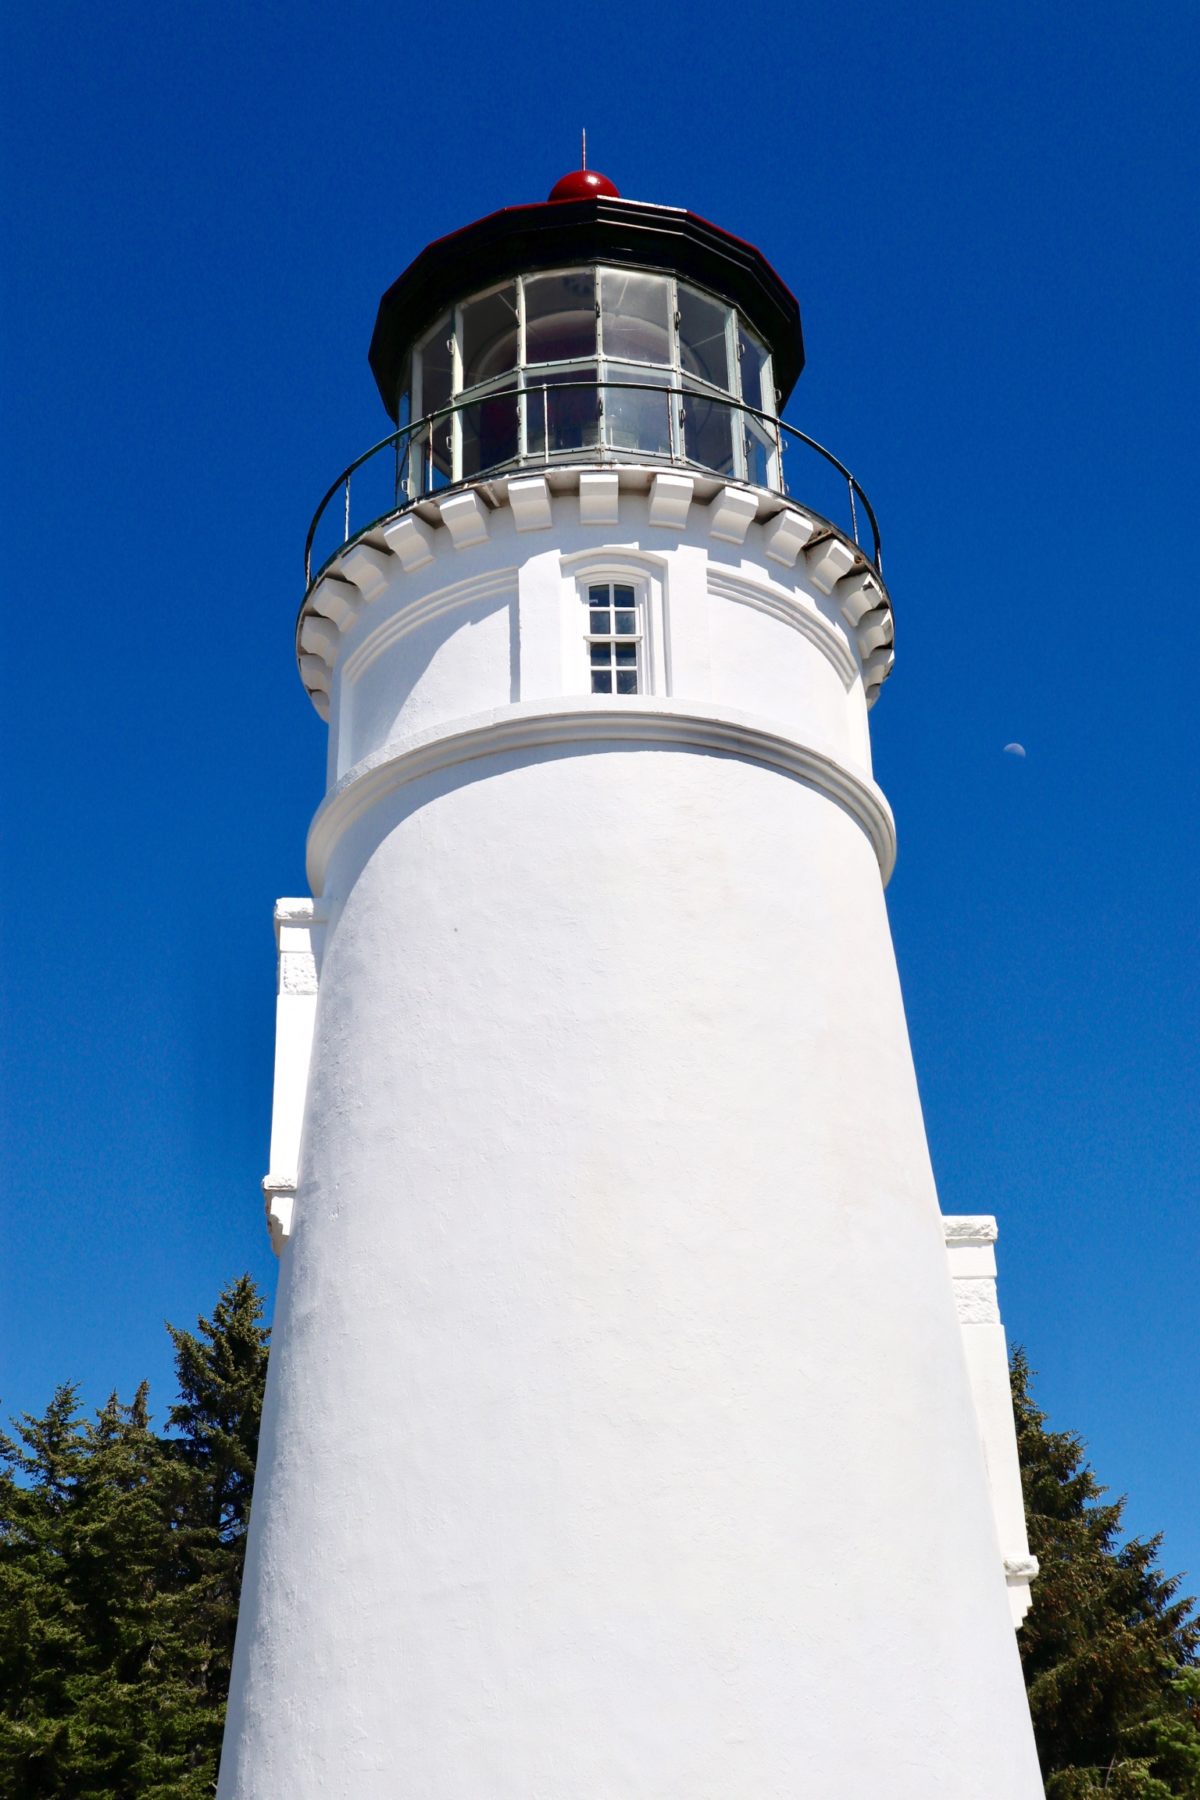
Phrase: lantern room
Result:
[586,330]
[587,325]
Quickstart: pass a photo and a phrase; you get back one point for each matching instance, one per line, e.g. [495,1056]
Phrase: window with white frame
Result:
[616,653]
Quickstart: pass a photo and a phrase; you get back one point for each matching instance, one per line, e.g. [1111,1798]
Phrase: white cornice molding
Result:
[439,526]
[302,911]
[969,1228]
[279,1203]
[590,722]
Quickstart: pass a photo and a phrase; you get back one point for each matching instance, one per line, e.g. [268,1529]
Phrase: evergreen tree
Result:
[221,1374]
[1109,1645]
[43,1642]
[134,1715]
[120,1569]
[94,1685]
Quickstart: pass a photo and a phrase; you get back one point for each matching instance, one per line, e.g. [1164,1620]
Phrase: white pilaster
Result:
[970,1249]
[299,936]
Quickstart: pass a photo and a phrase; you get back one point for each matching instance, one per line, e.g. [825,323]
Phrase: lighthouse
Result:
[637,1427]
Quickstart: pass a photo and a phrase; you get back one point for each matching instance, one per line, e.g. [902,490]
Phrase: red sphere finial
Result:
[583,184]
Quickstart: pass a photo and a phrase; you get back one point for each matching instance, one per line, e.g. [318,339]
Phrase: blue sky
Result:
[988,217]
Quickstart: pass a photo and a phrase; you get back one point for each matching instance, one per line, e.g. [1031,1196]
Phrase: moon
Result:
[1014,749]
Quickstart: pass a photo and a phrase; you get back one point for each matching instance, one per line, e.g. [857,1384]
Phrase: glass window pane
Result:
[622,594]
[703,346]
[633,419]
[601,682]
[601,655]
[404,401]
[627,681]
[708,432]
[598,596]
[635,317]
[489,433]
[601,619]
[626,625]
[560,316]
[404,485]
[753,358]
[760,455]
[417,461]
[409,466]
[436,367]
[626,655]
[571,408]
[489,328]
[438,439]
[536,406]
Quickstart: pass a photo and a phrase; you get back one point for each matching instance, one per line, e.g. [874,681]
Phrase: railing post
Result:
[346,529]
[545,424]
[853,510]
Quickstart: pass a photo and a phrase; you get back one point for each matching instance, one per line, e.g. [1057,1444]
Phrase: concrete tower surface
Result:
[630,1433]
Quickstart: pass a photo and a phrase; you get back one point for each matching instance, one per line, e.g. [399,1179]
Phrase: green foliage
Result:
[120,1568]
[1109,1645]
[221,1374]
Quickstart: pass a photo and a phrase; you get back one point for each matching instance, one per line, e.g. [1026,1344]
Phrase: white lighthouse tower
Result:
[636,1427]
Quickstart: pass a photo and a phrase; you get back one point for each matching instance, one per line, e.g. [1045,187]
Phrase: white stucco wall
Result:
[619,1437]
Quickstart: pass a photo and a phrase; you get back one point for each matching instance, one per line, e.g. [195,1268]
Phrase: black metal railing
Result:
[535,427]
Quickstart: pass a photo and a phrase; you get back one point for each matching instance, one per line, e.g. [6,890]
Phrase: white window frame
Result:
[647,577]
[613,639]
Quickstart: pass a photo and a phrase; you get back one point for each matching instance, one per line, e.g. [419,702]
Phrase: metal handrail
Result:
[402,441]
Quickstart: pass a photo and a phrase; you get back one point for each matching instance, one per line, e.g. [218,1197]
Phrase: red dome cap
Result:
[583,184]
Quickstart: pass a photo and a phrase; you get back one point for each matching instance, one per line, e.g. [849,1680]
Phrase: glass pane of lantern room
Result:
[404,412]
[703,339]
[708,432]
[489,430]
[436,367]
[635,319]
[753,359]
[569,409]
[407,463]
[560,316]
[633,419]
[762,460]
[489,343]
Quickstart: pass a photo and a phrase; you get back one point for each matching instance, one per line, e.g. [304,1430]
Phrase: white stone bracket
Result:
[971,1252]
[300,936]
